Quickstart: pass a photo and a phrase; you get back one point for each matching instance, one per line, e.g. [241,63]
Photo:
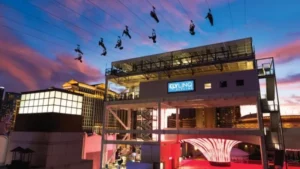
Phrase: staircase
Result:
[269,103]
[145,123]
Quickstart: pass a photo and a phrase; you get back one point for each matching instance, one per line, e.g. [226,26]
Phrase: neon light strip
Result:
[215,150]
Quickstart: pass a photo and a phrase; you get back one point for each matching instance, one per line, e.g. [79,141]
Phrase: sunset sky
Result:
[38,37]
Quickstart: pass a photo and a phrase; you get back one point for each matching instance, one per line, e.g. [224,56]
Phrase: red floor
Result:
[200,164]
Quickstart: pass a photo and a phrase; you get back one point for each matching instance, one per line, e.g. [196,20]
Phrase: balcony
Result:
[123,96]
[265,67]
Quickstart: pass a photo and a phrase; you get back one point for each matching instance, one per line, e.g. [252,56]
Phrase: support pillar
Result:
[103,147]
[129,122]
[263,150]
[177,118]
[159,120]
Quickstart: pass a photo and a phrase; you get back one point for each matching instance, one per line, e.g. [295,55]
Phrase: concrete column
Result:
[263,150]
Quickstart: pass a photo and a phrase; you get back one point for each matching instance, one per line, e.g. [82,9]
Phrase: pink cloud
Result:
[22,68]
[284,53]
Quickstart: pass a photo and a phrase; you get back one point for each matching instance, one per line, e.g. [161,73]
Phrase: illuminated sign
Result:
[181,86]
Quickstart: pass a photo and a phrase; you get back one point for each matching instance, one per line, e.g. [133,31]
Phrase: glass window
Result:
[22,103]
[26,103]
[56,109]
[26,110]
[63,109]
[36,95]
[63,102]
[36,102]
[21,111]
[50,109]
[40,109]
[46,101]
[58,94]
[69,97]
[69,103]
[80,98]
[239,82]
[32,96]
[207,86]
[57,101]
[23,97]
[51,101]
[79,105]
[45,109]
[75,98]
[31,102]
[41,102]
[27,96]
[64,95]
[47,94]
[52,93]
[74,111]
[74,104]
[34,110]
[30,110]
[68,110]
[78,112]
[42,95]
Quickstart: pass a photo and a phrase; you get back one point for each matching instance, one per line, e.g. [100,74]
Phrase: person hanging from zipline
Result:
[77,50]
[119,43]
[192,28]
[210,18]
[101,43]
[126,32]
[153,14]
[153,37]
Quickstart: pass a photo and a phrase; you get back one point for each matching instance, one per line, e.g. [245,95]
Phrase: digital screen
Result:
[181,86]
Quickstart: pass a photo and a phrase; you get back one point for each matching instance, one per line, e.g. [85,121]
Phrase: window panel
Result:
[27,96]
[30,110]
[22,104]
[52,93]
[74,111]
[63,102]
[74,104]
[26,110]
[63,109]
[36,102]
[47,94]
[75,98]
[45,109]
[80,98]
[79,112]
[79,105]
[31,102]
[51,101]
[36,95]
[41,102]
[50,109]
[57,101]
[34,110]
[32,96]
[69,97]
[64,96]
[58,94]
[207,86]
[26,103]
[46,102]
[40,109]
[69,103]
[21,111]
[56,109]
[68,111]
[42,95]
[23,97]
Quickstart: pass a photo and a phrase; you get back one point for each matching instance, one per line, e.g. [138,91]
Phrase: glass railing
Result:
[124,96]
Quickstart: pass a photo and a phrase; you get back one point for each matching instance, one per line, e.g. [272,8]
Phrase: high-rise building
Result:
[11,106]
[93,102]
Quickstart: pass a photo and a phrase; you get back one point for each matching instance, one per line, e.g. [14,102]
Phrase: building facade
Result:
[93,103]
[11,106]
[2,89]
[213,80]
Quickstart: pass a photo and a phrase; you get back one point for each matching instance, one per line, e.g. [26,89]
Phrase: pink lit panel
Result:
[215,150]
